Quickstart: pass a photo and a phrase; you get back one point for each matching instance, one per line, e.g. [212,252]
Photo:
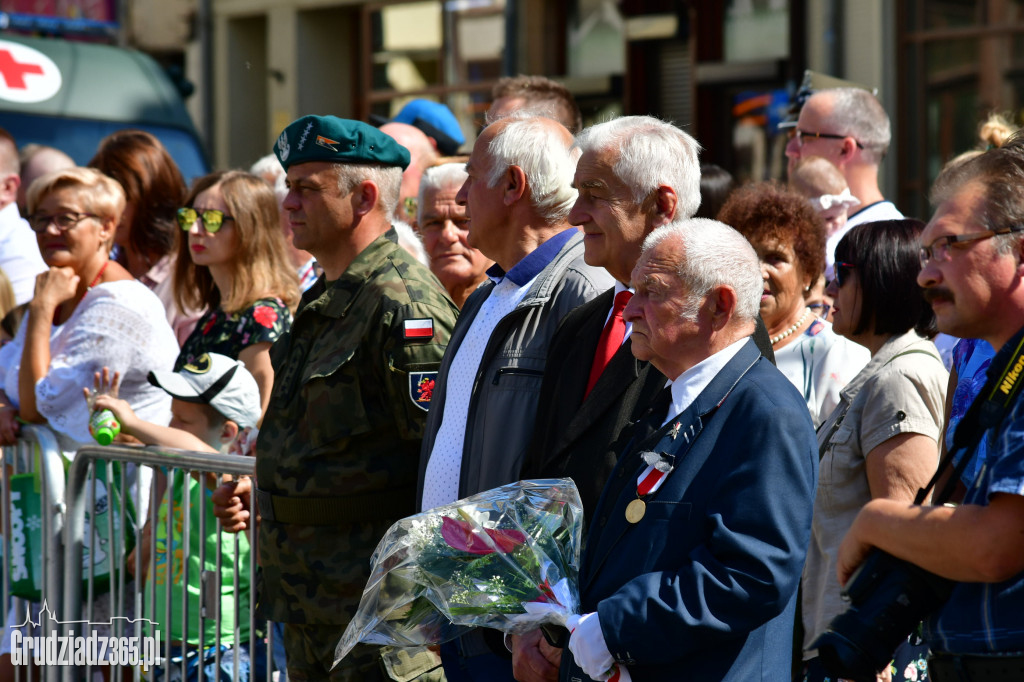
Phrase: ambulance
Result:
[70,95]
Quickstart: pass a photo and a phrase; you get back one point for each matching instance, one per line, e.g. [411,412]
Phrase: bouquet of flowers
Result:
[506,558]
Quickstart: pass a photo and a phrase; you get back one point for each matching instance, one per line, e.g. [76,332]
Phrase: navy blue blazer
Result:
[704,586]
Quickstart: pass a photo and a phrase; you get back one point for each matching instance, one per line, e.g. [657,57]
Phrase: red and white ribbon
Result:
[650,480]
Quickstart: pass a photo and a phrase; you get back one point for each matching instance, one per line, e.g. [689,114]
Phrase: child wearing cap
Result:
[216,402]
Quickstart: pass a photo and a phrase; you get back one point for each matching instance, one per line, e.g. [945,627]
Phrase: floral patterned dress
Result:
[218,332]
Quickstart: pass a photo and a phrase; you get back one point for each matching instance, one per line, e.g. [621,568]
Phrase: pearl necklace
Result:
[789,332]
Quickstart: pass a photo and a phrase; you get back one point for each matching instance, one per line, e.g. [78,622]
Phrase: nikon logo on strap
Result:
[1009,383]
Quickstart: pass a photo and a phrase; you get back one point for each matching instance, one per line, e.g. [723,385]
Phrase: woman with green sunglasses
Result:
[231,261]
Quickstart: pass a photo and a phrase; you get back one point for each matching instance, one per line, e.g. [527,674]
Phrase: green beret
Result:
[337,140]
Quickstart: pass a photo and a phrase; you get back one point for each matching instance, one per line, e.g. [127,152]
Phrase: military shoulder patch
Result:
[419,329]
[421,388]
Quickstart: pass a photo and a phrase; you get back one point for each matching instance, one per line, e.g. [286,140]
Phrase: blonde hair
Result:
[995,130]
[7,300]
[816,175]
[260,268]
[99,194]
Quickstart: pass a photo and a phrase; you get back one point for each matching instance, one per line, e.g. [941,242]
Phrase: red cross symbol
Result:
[14,71]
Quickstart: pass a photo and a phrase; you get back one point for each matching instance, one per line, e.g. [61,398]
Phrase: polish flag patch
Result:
[419,329]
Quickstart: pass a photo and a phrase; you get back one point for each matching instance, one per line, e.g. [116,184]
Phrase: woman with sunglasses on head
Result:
[789,238]
[882,439]
[231,260]
[88,312]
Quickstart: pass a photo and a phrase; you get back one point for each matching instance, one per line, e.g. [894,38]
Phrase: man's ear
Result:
[229,432]
[722,303]
[665,203]
[515,185]
[848,148]
[9,187]
[364,199]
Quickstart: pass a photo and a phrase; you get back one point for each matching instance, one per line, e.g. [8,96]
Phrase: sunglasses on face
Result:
[64,221]
[212,219]
[842,271]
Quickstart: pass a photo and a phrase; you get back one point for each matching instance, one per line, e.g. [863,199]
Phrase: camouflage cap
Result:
[337,140]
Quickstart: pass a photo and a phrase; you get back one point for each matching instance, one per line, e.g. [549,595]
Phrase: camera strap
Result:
[1004,382]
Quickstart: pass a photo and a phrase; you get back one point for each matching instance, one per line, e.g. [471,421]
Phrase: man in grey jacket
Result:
[517,198]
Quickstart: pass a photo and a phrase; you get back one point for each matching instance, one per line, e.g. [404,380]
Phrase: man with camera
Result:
[972,261]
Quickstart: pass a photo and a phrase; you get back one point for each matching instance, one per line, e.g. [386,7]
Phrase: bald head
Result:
[38,160]
[423,153]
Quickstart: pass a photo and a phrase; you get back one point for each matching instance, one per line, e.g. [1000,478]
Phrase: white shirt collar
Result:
[688,385]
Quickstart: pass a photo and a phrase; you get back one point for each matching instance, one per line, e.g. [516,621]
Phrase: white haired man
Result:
[972,272]
[517,196]
[636,174]
[442,223]
[849,127]
[692,564]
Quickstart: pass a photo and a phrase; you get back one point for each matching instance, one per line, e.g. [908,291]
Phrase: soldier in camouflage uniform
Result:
[337,452]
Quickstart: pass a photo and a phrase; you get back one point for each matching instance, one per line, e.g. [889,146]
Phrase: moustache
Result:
[937,294]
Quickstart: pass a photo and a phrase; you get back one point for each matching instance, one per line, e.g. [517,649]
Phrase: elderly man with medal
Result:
[691,566]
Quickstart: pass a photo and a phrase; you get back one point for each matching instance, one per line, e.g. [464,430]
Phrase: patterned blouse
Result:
[267,319]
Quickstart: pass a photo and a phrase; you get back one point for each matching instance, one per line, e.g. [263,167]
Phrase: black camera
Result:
[888,598]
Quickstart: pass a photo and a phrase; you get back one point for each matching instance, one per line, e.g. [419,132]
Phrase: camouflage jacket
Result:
[352,383]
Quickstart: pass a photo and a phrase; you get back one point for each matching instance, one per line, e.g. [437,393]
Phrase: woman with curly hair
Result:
[789,238]
[231,261]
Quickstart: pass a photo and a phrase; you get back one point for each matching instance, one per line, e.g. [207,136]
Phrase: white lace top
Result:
[121,325]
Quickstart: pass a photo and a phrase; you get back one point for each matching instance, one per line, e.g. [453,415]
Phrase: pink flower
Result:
[265,315]
[463,536]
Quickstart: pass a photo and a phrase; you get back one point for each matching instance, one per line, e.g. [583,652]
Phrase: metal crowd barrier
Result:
[36,451]
[72,595]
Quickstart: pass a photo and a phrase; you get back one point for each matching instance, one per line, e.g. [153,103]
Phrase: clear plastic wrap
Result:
[507,558]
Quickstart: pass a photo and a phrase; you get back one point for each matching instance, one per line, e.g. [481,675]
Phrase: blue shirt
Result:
[988,617]
[971,358]
[535,261]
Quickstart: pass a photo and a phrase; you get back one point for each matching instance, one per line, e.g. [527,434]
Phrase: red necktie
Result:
[611,338]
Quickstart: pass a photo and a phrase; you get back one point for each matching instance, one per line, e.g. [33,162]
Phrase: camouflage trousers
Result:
[310,651]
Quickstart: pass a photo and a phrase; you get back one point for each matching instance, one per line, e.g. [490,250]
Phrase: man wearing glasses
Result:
[972,259]
[849,127]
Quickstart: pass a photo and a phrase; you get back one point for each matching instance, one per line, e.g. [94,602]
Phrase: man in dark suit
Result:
[691,566]
[635,174]
[595,387]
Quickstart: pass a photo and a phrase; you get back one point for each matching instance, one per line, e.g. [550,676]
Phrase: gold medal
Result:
[635,510]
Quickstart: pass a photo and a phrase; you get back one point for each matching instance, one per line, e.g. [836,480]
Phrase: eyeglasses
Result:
[64,221]
[842,271]
[212,219]
[940,249]
[801,134]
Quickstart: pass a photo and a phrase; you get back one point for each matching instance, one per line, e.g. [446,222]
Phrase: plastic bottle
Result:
[104,427]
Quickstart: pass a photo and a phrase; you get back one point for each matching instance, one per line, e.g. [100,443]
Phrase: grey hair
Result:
[387,178]
[437,178]
[651,153]
[1000,172]
[859,114]
[269,165]
[548,162]
[713,254]
[411,242]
